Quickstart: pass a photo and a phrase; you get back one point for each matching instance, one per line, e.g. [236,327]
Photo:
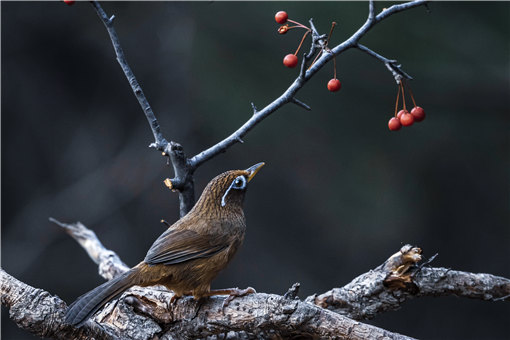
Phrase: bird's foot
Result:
[235,292]
[173,300]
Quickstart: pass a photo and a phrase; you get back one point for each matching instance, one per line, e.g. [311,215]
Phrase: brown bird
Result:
[190,253]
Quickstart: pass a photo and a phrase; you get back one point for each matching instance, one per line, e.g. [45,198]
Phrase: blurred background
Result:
[340,193]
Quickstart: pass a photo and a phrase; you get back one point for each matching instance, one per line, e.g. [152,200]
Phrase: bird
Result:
[189,254]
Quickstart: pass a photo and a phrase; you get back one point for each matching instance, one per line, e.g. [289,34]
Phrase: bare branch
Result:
[301,104]
[390,64]
[184,168]
[354,39]
[183,181]
[371,10]
[110,264]
[159,141]
[299,82]
[400,279]
[399,8]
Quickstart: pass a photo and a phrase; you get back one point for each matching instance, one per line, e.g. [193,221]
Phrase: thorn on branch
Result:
[255,111]
[110,21]
[300,103]
[239,140]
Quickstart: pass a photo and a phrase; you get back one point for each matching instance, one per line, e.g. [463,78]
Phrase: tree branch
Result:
[400,279]
[110,264]
[298,83]
[390,64]
[183,180]
[42,314]
[184,167]
[143,313]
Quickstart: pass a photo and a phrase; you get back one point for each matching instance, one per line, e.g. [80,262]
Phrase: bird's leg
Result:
[175,297]
[231,292]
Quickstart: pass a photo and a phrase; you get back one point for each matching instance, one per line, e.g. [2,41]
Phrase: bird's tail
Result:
[87,304]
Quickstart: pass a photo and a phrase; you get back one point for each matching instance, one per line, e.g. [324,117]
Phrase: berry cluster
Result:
[291,60]
[404,117]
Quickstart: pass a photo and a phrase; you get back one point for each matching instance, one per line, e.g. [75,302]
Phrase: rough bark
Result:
[400,279]
[145,313]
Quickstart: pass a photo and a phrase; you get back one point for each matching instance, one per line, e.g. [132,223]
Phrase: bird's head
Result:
[227,189]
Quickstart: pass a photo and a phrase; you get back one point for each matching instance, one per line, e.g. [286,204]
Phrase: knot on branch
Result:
[161,145]
[400,268]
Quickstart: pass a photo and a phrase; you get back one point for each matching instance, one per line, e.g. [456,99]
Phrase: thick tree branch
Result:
[42,314]
[400,279]
[260,315]
[143,313]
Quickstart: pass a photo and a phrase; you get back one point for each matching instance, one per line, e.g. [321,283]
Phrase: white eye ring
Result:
[239,184]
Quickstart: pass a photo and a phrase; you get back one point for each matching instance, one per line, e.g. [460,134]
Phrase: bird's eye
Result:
[239,183]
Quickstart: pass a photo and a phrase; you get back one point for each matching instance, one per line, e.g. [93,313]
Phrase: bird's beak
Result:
[252,170]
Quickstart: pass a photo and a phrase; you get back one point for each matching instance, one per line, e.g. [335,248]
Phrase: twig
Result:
[301,104]
[354,39]
[110,264]
[390,64]
[159,141]
[183,179]
[400,279]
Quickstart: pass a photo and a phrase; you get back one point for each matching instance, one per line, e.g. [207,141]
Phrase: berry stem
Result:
[403,95]
[315,59]
[333,24]
[411,93]
[334,68]
[396,103]
[301,43]
[299,24]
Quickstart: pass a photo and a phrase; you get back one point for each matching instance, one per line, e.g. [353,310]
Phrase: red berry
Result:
[281,17]
[400,113]
[334,85]
[394,124]
[69,2]
[407,119]
[418,113]
[290,60]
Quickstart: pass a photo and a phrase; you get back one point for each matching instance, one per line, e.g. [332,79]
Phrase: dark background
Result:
[339,194]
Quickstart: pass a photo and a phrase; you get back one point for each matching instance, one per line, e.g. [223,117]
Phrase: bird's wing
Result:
[177,246]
